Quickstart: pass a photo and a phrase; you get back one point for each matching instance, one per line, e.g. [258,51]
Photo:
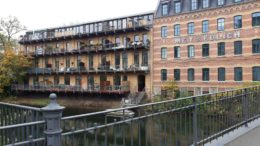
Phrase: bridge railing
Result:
[196,119]
[192,120]
[12,114]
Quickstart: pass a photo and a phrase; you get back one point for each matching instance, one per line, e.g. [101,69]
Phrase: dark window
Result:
[125,78]
[125,59]
[194,4]
[56,80]
[67,80]
[256,46]
[177,7]
[256,73]
[164,53]
[205,50]
[205,26]
[191,51]
[117,60]
[177,52]
[256,19]
[191,28]
[205,3]
[221,2]
[177,30]
[221,49]
[205,74]
[237,22]
[164,75]
[91,63]
[145,58]
[177,74]
[165,9]
[238,47]
[190,74]
[164,32]
[221,24]
[221,74]
[238,74]
[136,57]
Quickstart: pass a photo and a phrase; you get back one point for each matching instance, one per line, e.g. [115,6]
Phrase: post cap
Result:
[53,105]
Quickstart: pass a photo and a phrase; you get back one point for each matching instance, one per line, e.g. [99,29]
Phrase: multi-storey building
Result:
[105,57]
[206,45]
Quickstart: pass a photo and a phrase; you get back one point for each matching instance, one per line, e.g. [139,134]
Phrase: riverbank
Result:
[81,104]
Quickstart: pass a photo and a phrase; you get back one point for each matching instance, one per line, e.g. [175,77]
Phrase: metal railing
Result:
[192,120]
[89,48]
[97,88]
[187,121]
[12,114]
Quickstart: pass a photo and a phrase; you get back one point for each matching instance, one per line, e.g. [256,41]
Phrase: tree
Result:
[9,27]
[12,68]
[171,87]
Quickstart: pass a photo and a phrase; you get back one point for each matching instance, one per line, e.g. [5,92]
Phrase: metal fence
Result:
[192,120]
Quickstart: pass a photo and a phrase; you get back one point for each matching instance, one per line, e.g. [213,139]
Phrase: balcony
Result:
[85,49]
[90,70]
[101,28]
[96,88]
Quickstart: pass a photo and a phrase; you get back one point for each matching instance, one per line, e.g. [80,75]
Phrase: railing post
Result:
[245,106]
[52,114]
[195,122]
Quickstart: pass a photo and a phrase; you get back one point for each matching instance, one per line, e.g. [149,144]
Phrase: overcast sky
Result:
[39,14]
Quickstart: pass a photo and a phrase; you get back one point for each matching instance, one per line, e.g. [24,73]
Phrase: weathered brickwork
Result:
[247,60]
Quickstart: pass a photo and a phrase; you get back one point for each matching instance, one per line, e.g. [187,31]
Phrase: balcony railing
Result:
[96,88]
[141,22]
[94,69]
[89,49]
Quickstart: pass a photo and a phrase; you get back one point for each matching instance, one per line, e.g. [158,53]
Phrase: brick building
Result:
[206,45]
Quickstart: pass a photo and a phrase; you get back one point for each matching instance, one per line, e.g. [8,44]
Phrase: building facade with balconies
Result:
[206,45]
[105,57]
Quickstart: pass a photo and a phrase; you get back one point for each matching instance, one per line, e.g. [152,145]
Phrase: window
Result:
[165,9]
[177,6]
[117,60]
[194,4]
[190,74]
[177,30]
[221,49]
[205,26]
[136,38]
[125,59]
[177,74]
[177,50]
[164,32]
[237,22]
[256,19]
[256,46]
[238,74]
[191,28]
[238,47]
[205,50]
[205,3]
[220,2]
[205,74]
[191,51]
[256,73]
[164,75]
[145,58]
[136,58]
[67,80]
[221,24]
[221,74]
[164,53]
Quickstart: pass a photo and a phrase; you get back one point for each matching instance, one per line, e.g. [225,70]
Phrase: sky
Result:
[40,14]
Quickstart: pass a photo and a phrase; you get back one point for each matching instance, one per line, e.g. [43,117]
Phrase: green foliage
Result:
[13,68]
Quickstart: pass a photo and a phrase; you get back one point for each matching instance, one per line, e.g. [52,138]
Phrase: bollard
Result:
[52,114]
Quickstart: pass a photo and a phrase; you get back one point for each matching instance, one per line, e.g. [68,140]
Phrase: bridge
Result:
[224,118]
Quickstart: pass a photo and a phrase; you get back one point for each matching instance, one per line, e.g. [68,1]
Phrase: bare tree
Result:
[9,27]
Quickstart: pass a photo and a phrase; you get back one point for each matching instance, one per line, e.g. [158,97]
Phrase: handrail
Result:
[21,106]
[150,104]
